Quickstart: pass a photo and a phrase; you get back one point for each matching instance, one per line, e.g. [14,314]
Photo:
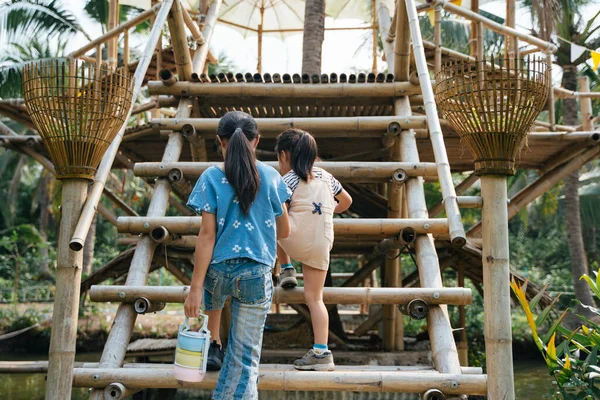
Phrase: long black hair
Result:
[239,128]
[303,150]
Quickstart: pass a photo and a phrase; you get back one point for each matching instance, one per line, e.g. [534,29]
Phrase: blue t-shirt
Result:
[251,236]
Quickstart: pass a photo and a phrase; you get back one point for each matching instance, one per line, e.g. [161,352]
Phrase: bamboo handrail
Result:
[322,126]
[118,30]
[286,378]
[331,295]
[563,93]
[494,26]
[347,171]
[353,226]
[283,90]
[95,191]
[457,231]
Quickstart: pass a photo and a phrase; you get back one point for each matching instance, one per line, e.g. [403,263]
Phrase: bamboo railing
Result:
[331,295]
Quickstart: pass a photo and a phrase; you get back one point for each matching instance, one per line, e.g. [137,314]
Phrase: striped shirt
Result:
[292,180]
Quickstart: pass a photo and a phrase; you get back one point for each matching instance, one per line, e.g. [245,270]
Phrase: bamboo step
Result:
[283,90]
[342,170]
[331,295]
[284,377]
[161,227]
[321,127]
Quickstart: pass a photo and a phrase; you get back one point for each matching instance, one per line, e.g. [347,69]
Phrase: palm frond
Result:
[21,19]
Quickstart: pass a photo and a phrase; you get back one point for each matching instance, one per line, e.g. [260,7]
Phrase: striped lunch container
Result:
[192,352]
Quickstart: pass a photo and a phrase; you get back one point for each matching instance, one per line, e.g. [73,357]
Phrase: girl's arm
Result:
[344,202]
[204,251]
[283,224]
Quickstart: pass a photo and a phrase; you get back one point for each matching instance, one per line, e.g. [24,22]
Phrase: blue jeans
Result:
[250,286]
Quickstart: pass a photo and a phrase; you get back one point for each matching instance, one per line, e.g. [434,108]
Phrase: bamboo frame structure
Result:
[95,191]
[331,295]
[285,378]
[119,336]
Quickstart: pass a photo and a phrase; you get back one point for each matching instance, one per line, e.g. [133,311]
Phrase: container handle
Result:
[186,323]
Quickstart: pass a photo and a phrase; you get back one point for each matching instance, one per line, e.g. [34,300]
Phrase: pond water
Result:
[531,382]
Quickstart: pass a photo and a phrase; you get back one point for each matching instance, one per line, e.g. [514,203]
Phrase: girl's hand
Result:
[192,303]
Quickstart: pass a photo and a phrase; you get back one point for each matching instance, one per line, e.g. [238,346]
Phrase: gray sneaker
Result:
[287,278]
[315,362]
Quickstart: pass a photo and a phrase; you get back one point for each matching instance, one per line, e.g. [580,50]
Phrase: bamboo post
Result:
[510,41]
[374,29]
[437,38]
[474,34]
[66,299]
[402,45]
[383,23]
[496,278]
[587,113]
[113,21]
[462,345]
[551,101]
[120,334]
[95,191]
[181,51]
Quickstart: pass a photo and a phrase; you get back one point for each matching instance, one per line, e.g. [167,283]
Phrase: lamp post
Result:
[77,108]
[492,107]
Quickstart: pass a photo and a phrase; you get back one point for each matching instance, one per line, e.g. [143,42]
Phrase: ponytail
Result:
[303,151]
[241,170]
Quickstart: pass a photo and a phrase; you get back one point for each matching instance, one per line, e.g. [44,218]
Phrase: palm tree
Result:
[565,18]
[314,34]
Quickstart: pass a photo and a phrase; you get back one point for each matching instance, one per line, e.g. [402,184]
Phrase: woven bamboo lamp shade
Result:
[78,108]
[492,107]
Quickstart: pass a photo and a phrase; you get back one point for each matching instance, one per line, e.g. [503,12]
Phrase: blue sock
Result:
[320,348]
[286,266]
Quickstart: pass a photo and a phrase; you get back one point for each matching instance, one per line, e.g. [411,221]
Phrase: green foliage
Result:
[573,362]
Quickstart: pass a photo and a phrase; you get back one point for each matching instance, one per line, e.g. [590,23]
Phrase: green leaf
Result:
[592,284]
[542,317]
[534,302]
[551,351]
[552,329]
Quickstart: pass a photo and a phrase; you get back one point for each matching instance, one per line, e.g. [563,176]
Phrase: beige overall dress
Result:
[311,220]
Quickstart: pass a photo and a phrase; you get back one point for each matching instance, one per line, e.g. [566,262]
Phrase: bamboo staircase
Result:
[335,110]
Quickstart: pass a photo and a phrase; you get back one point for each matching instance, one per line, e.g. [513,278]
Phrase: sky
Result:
[341,49]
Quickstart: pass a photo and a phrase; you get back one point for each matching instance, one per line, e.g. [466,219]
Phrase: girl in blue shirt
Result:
[243,210]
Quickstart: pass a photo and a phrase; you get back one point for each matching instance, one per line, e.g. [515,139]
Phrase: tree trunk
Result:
[579,265]
[314,34]
[45,204]
[13,189]
[88,248]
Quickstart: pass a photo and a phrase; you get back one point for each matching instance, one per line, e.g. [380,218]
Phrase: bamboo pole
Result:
[95,191]
[352,226]
[462,345]
[493,26]
[374,35]
[383,22]
[510,47]
[181,50]
[457,231]
[331,295]
[66,301]
[402,44]
[496,279]
[194,29]
[551,101]
[320,126]
[587,113]
[112,45]
[282,90]
[542,185]
[369,323]
[342,170]
[570,94]
[120,334]
[473,41]
[437,38]
[288,379]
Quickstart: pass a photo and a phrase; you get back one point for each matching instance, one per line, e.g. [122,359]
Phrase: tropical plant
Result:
[573,363]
